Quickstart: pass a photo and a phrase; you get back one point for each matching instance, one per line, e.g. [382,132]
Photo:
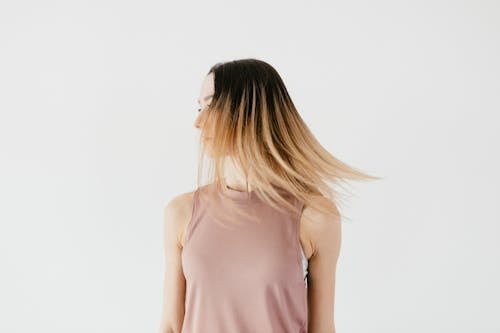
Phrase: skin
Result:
[320,237]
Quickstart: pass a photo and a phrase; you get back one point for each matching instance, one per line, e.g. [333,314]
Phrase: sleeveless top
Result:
[247,278]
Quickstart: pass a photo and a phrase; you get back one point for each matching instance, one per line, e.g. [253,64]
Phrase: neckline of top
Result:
[245,195]
[239,195]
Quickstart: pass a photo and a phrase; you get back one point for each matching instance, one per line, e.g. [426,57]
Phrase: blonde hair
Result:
[254,123]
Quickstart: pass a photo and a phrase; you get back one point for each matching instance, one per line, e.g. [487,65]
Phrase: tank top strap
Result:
[195,214]
[300,206]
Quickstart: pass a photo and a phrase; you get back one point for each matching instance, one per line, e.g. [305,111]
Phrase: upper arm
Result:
[175,215]
[324,232]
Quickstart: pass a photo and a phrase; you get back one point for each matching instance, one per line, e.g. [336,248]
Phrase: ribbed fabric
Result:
[246,279]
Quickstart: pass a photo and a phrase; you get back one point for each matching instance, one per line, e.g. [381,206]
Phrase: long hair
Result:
[255,125]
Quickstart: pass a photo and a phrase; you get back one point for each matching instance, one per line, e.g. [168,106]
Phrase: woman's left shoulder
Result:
[320,217]
[318,227]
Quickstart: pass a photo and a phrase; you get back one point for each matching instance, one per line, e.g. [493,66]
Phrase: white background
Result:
[98,100]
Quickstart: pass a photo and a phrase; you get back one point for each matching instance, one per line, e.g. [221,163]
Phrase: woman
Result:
[256,249]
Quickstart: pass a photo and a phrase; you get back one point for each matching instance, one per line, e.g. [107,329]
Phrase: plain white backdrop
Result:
[98,100]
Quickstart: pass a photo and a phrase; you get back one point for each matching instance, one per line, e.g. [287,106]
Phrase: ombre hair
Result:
[254,123]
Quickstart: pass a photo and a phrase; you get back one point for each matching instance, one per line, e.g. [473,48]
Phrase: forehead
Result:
[207,88]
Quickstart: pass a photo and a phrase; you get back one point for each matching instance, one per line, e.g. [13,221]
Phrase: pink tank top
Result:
[244,279]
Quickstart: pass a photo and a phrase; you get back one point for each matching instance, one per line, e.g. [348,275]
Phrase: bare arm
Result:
[325,237]
[175,215]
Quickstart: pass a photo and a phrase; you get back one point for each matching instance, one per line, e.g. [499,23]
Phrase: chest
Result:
[268,253]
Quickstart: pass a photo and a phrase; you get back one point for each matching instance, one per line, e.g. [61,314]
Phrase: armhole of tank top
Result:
[189,228]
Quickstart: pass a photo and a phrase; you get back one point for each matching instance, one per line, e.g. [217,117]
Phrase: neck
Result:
[235,179]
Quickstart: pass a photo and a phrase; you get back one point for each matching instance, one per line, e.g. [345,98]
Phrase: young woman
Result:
[255,249]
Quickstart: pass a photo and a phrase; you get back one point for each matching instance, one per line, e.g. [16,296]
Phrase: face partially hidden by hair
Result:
[247,117]
[206,94]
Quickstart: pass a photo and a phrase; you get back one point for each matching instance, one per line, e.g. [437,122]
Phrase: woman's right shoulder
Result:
[179,202]
[177,213]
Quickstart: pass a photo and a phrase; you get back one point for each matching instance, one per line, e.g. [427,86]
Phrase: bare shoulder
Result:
[177,214]
[317,228]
